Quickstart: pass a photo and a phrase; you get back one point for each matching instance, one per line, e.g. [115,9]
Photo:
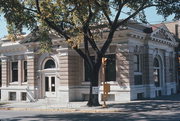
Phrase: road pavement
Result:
[155,115]
[165,108]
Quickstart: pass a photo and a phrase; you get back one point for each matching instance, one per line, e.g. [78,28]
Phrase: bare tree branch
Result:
[92,42]
[87,32]
[116,24]
[37,6]
[104,11]
[29,9]
[84,56]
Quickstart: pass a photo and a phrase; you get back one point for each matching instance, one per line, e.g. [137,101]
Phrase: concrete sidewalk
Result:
[161,103]
[62,107]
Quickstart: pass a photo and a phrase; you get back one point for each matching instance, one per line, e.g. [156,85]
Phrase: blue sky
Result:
[152,18]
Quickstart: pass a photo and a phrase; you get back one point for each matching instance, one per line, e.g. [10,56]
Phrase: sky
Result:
[152,18]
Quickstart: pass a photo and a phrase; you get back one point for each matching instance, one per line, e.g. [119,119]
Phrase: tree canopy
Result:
[78,21]
[70,17]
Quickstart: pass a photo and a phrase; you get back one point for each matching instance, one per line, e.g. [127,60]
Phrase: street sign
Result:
[106,88]
[95,90]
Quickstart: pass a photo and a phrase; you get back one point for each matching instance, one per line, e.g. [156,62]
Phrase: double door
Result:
[50,86]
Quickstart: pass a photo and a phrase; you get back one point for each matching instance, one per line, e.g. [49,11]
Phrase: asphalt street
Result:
[166,108]
[155,115]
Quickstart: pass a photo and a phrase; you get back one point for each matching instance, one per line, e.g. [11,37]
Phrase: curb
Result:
[66,110]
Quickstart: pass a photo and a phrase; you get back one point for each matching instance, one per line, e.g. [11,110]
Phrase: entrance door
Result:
[50,88]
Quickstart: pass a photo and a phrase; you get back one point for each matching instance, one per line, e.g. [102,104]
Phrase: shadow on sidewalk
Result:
[96,117]
[160,103]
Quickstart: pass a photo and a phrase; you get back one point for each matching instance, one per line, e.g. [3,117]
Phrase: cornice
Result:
[142,36]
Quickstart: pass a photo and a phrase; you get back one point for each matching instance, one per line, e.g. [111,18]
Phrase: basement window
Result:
[23,96]
[12,96]
[140,96]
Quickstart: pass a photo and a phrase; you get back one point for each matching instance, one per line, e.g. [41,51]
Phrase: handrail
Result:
[30,95]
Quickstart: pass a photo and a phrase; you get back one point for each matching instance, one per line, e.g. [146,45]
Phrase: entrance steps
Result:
[54,102]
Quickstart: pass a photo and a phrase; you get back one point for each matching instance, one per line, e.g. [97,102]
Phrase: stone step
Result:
[48,100]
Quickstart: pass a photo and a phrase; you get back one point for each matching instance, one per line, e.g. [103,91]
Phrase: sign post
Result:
[106,86]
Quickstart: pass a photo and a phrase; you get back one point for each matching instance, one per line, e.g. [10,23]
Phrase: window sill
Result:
[24,83]
[137,73]
[85,83]
[13,83]
[110,82]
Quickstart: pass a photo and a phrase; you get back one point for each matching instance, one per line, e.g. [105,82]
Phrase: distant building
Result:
[140,65]
[174,27]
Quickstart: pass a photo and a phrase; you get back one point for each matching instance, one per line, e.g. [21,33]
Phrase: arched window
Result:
[49,64]
[156,62]
[156,72]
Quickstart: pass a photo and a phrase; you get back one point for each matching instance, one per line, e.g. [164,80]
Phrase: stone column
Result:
[166,67]
[4,71]
[148,67]
[174,67]
[20,72]
[174,75]
[148,72]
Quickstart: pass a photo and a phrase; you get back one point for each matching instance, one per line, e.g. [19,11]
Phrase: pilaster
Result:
[20,72]
[4,71]
[30,69]
[148,70]
[63,56]
[166,67]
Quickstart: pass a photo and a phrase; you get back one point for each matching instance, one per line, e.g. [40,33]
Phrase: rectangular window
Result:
[171,66]
[137,70]
[87,70]
[136,63]
[14,71]
[12,96]
[23,96]
[25,71]
[140,96]
[138,79]
[110,71]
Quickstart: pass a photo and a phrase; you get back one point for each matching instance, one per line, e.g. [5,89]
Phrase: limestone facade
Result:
[145,68]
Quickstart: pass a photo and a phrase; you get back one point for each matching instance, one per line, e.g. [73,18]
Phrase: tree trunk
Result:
[94,98]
